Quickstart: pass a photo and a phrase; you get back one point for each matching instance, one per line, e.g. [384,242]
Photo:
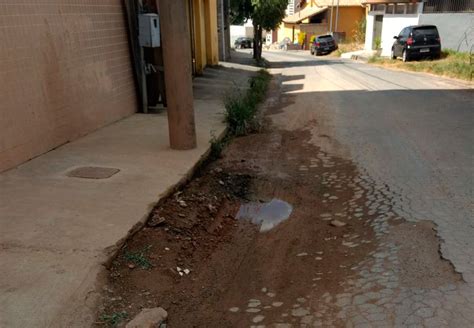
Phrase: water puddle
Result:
[267,215]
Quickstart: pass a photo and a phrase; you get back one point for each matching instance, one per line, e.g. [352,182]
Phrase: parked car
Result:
[323,44]
[417,41]
[243,42]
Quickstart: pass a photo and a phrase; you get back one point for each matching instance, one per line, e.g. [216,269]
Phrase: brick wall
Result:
[65,71]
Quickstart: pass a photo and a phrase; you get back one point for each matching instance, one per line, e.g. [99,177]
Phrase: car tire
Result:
[311,52]
[393,54]
[405,57]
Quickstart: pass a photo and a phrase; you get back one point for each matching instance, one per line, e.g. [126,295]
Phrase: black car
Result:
[419,41]
[323,44]
[243,42]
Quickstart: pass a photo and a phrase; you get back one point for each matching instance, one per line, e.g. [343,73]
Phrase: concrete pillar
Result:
[212,42]
[178,73]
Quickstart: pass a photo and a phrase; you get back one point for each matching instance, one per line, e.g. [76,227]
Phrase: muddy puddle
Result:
[267,215]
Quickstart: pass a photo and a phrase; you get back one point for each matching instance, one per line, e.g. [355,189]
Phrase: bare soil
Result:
[230,261]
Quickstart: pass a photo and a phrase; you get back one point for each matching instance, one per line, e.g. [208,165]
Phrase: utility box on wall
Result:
[149,30]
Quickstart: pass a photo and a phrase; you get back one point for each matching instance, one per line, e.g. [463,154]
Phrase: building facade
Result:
[315,17]
[290,10]
[69,68]
[454,19]
[64,72]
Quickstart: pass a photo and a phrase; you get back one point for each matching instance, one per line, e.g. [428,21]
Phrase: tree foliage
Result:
[265,15]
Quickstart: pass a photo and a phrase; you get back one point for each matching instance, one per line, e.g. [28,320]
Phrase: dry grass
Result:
[452,64]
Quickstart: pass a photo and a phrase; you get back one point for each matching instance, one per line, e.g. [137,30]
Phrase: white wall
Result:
[456,30]
[237,31]
[369,32]
[392,25]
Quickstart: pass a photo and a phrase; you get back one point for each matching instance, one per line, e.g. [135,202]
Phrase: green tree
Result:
[265,14]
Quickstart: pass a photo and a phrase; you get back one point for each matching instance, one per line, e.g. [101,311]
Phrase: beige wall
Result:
[65,71]
[349,17]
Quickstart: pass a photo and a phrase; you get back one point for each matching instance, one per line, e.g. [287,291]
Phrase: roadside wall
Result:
[456,30]
[392,25]
[65,70]
[369,32]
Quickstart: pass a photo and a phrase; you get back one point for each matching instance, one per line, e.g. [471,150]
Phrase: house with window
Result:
[386,18]
[315,17]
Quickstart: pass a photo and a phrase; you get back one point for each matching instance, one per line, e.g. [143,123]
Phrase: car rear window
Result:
[429,30]
[325,37]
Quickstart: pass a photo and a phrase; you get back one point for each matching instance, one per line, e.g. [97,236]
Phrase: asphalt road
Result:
[412,138]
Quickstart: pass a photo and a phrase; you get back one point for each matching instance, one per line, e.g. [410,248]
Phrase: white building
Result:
[454,19]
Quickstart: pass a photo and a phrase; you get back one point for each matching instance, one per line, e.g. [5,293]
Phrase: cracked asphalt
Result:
[411,136]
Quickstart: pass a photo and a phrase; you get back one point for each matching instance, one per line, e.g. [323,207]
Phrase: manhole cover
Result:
[91,172]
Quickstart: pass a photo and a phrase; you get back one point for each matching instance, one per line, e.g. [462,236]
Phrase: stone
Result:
[148,318]
[271,294]
[337,223]
[254,303]
[302,254]
[252,310]
[234,309]
[277,304]
[258,318]
[299,312]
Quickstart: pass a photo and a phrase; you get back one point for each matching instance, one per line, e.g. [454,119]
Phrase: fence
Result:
[448,6]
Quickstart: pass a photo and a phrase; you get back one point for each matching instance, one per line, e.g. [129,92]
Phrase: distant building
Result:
[454,19]
[290,10]
[315,17]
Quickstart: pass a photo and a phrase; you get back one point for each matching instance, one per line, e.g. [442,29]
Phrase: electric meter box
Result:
[149,30]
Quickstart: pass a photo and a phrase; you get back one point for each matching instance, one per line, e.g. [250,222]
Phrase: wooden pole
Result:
[176,38]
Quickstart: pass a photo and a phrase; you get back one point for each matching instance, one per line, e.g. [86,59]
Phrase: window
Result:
[404,34]
[400,8]
[378,8]
[390,8]
[412,8]
[425,30]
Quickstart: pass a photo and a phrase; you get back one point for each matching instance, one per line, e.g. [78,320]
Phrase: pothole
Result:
[93,172]
[421,265]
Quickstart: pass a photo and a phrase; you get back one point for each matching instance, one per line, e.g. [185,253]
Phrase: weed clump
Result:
[139,258]
[113,320]
[241,106]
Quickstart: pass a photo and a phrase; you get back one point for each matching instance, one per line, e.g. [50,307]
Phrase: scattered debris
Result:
[156,221]
[183,272]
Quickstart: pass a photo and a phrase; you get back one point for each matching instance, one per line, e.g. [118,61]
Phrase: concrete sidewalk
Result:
[57,230]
